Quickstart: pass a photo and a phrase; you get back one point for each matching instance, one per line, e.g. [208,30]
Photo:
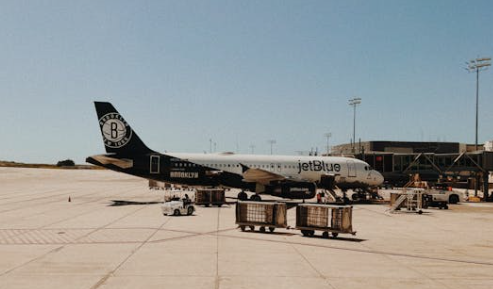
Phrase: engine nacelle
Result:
[293,190]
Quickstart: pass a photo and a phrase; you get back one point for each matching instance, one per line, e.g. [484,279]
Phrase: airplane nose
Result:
[378,178]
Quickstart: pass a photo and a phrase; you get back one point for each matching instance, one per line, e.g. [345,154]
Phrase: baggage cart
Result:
[208,197]
[269,215]
[333,219]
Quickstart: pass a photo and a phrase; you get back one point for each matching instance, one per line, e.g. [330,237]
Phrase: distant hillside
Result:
[47,166]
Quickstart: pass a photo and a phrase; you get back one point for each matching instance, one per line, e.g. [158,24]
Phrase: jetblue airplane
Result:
[293,177]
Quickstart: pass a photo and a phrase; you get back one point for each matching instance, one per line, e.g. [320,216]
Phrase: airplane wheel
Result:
[255,198]
[305,233]
[242,196]
[271,229]
[262,229]
[176,212]
[312,233]
[242,228]
[334,234]
[325,234]
[252,228]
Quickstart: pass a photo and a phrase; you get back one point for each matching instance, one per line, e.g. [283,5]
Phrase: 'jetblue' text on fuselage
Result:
[318,166]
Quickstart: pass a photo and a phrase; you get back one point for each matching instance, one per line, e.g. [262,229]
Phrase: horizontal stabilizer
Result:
[107,159]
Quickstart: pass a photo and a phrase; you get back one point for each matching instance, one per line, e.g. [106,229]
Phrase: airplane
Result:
[292,177]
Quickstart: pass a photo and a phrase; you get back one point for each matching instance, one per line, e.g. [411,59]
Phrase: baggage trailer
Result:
[333,219]
[269,215]
[208,197]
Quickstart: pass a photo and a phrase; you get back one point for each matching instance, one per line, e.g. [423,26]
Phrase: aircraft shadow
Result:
[118,203]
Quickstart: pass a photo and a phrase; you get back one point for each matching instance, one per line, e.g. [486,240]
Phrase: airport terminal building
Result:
[459,164]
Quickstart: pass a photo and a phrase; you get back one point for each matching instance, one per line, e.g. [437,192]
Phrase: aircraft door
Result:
[155,162]
[351,166]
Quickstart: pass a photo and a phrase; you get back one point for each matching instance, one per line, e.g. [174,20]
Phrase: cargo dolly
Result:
[269,215]
[208,197]
[332,219]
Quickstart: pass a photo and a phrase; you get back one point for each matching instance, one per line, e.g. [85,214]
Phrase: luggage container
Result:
[157,185]
[326,218]
[208,197]
[264,214]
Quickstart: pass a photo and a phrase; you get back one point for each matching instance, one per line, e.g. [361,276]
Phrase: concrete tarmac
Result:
[94,242]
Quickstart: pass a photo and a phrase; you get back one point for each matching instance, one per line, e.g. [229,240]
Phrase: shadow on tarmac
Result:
[118,203]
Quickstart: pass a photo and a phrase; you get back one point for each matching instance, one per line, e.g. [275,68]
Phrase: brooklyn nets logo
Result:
[116,132]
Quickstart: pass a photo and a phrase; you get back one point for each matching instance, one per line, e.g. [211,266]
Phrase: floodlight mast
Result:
[477,65]
[328,135]
[271,142]
[354,102]
[252,148]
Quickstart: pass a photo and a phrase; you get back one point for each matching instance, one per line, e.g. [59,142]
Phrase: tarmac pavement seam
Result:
[472,262]
[64,245]
[405,265]
[112,272]
[320,275]
[70,217]
[217,277]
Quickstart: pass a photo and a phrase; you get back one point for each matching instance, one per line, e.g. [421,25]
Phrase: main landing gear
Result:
[242,196]
[255,198]
[365,194]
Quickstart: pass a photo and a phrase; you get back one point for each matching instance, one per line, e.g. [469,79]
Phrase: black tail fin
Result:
[118,136]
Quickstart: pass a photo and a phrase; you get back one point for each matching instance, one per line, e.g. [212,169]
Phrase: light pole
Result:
[328,135]
[252,148]
[271,142]
[477,65]
[354,102]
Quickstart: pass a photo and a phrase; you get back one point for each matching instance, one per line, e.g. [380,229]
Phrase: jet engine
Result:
[293,190]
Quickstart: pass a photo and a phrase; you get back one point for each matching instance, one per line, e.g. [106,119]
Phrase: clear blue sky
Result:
[183,72]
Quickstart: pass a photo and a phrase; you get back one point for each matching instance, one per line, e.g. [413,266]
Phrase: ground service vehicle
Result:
[177,207]
[445,194]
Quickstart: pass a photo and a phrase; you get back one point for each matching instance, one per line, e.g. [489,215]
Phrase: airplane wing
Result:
[253,175]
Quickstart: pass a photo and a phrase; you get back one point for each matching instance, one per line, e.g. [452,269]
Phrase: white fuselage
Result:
[301,168]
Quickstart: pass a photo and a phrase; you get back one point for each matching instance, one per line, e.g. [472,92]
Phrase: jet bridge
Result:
[467,169]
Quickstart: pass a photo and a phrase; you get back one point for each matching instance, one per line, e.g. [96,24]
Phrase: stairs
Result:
[414,202]
[398,202]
